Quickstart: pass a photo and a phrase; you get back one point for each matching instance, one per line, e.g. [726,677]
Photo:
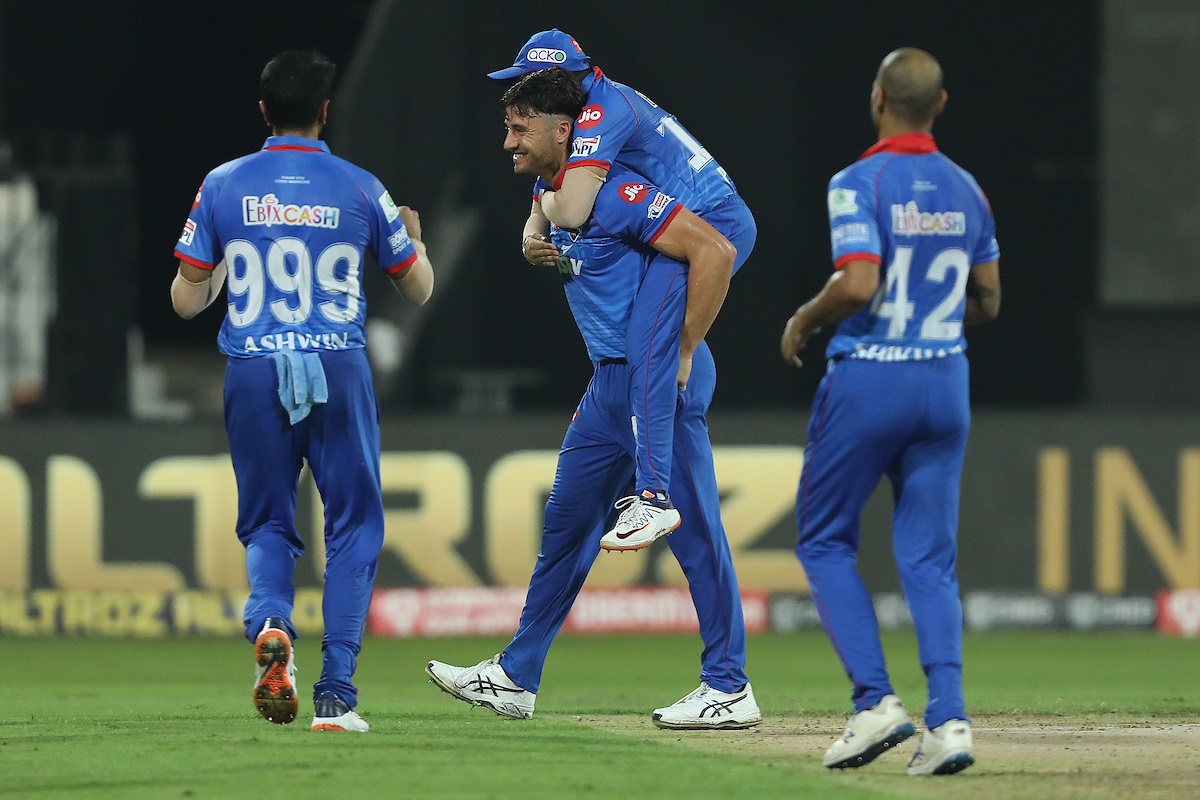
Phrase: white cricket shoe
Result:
[334,714]
[870,733]
[639,524]
[275,673]
[707,708]
[485,684]
[945,750]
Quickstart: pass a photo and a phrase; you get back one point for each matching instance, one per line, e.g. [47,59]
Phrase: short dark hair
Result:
[547,91]
[293,87]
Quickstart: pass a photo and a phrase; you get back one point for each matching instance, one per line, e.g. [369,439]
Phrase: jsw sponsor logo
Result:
[908,220]
[269,211]
[570,266]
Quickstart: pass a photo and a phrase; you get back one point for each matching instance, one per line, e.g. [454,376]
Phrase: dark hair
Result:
[547,91]
[293,87]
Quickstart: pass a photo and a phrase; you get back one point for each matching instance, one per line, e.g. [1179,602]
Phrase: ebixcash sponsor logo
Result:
[267,210]
[908,220]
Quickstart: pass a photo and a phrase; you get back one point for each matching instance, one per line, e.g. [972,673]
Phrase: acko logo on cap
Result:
[547,55]
[590,117]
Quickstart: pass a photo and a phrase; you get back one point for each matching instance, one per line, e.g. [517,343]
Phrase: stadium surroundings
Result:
[1081,490]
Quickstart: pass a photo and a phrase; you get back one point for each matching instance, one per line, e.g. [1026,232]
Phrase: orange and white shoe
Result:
[335,714]
[275,673]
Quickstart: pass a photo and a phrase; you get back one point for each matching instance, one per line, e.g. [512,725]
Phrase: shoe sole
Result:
[876,750]
[436,681]
[329,726]
[730,725]
[274,694]
[952,765]
[623,548]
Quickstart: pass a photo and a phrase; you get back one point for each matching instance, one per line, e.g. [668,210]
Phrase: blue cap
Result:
[546,49]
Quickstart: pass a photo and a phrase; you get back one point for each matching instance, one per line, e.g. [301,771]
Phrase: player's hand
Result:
[412,221]
[795,336]
[685,372]
[538,251]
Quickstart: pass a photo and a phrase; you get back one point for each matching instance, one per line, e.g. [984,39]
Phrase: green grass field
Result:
[1057,715]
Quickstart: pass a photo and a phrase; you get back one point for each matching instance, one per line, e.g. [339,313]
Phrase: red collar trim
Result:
[294,147]
[907,144]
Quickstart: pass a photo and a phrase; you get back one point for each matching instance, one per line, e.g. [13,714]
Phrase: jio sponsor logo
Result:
[590,117]
[633,192]
[546,55]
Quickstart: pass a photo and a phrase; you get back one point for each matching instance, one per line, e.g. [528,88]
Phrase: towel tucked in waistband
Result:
[302,382]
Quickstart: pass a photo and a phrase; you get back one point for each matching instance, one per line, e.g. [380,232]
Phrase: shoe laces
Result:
[696,693]
[635,512]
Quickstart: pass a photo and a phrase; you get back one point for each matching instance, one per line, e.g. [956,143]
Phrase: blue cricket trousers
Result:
[340,441]
[594,468]
[652,347]
[909,421]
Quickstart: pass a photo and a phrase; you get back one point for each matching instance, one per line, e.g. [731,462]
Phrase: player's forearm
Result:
[835,302]
[708,284]
[191,296]
[416,282]
[983,303]
[572,204]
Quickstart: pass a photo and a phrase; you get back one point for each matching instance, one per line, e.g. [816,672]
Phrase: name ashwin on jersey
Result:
[269,211]
[293,340]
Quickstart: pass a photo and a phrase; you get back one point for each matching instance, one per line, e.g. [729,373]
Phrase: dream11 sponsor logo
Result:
[590,117]
[269,211]
[546,55]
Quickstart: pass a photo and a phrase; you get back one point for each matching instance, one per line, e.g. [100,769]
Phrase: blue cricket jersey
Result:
[292,223]
[602,264]
[908,207]
[621,125]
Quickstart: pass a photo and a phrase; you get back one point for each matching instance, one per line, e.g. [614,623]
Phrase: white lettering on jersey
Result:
[269,211]
[294,340]
[841,202]
[908,220]
[851,233]
[398,240]
[647,99]
[584,146]
[390,212]
[546,55]
[659,205]
[189,232]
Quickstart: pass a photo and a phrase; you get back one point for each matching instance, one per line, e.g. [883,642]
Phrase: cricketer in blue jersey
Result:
[620,126]
[291,226]
[639,239]
[894,402]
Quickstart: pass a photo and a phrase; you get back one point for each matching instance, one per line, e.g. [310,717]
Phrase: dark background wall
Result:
[778,95]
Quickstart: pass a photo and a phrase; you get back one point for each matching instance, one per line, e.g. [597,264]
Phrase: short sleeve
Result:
[986,247]
[601,131]
[853,225]
[198,243]
[633,208]
[390,242]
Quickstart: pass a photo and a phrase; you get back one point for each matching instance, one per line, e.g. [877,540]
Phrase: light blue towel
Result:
[301,382]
